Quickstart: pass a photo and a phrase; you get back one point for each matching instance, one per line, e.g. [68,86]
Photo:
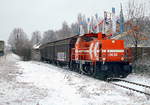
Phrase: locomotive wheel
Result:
[92,71]
[97,73]
[85,69]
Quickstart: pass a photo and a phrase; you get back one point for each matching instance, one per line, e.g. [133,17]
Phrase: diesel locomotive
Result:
[94,54]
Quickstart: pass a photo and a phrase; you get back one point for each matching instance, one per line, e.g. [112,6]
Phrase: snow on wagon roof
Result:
[36,46]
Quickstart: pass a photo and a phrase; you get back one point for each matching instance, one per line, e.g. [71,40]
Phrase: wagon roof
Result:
[59,40]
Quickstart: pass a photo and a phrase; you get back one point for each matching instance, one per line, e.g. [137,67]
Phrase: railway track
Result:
[130,88]
[146,86]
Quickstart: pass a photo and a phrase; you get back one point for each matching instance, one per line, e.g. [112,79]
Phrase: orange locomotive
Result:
[101,57]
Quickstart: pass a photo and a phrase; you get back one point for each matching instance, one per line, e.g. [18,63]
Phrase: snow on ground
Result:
[8,70]
[13,92]
[69,88]
[44,84]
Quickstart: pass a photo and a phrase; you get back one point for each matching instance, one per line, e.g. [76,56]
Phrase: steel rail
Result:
[131,89]
[146,86]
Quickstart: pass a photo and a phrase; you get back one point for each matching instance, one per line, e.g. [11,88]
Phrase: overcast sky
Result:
[42,15]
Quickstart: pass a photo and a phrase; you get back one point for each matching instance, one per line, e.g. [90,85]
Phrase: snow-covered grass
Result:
[13,92]
[37,82]
[8,70]
[69,88]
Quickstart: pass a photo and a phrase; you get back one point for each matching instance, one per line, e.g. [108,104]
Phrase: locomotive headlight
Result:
[113,41]
[103,59]
[122,58]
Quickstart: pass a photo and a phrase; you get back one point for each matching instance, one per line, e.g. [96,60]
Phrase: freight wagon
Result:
[58,52]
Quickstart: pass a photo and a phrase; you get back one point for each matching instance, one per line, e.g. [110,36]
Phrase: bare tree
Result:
[65,31]
[137,22]
[19,43]
[75,28]
[49,36]
[36,37]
